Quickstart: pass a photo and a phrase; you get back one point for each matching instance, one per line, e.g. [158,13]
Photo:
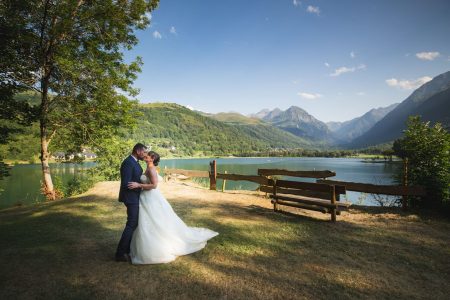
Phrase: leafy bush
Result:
[110,156]
[427,150]
[78,184]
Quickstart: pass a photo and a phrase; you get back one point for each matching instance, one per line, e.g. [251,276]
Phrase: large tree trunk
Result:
[48,188]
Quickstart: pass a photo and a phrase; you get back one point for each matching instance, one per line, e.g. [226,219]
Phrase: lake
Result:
[22,187]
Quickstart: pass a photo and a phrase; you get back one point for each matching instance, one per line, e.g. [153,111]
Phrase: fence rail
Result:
[253,178]
[266,183]
[305,174]
[394,190]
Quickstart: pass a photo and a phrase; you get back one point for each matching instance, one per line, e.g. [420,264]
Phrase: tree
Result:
[71,53]
[427,150]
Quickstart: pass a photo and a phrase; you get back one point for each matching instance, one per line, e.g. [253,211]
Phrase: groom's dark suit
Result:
[130,170]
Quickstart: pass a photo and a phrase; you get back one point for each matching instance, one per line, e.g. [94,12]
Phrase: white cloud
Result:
[408,84]
[173,30]
[327,64]
[427,55]
[361,94]
[309,96]
[343,70]
[157,35]
[189,107]
[313,9]
[296,2]
[352,54]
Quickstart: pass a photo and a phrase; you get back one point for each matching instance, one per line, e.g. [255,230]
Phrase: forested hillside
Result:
[176,129]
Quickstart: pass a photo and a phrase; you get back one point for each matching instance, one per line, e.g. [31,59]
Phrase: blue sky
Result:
[335,59]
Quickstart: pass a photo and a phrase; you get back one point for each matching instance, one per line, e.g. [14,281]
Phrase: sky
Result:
[335,59]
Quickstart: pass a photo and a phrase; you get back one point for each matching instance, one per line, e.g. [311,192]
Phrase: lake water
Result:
[24,183]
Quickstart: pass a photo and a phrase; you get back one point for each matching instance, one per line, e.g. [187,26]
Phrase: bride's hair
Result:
[155,157]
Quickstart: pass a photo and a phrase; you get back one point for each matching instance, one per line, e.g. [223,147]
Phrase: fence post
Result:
[224,183]
[275,206]
[212,175]
[405,183]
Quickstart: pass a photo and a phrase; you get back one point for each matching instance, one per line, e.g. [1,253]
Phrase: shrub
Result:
[427,151]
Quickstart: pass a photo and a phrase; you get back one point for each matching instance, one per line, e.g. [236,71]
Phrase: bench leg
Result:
[333,215]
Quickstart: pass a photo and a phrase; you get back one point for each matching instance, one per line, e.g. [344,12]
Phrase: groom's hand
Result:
[134,185]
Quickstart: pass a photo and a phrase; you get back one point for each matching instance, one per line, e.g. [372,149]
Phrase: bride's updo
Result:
[155,157]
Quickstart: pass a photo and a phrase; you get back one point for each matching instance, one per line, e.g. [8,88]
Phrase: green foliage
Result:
[4,169]
[17,140]
[24,146]
[71,54]
[78,184]
[110,155]
[427,150]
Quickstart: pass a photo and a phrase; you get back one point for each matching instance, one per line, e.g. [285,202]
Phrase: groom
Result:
[130,171]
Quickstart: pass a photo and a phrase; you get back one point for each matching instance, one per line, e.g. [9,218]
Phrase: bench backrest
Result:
[307,189]
[304,174]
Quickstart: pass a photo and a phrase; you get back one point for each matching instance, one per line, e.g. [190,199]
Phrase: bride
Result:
[161,235]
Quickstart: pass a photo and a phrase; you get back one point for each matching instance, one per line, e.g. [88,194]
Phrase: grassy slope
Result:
[262,131]
[235,118]
[64,249]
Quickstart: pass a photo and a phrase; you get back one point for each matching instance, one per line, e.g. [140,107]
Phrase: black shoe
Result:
[124,258]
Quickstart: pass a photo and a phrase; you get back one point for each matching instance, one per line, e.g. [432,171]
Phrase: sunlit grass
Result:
[65,249]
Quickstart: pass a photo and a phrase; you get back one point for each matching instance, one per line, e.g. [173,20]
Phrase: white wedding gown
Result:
[161,235]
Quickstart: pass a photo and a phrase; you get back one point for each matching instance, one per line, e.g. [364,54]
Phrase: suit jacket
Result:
[130,170]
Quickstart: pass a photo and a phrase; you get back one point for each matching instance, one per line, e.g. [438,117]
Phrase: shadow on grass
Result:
[65,249]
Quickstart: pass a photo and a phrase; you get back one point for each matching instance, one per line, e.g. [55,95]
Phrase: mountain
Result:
[298,122]
[272,114]
[431,101]
[261,114]
[437,109]
[260,130]
[334,126]
[347,131]
[234,118]
[170,127]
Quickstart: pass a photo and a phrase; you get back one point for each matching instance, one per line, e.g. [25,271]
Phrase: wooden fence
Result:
[264,179]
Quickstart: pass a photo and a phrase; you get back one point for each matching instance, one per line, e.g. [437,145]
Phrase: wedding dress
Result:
[161,235]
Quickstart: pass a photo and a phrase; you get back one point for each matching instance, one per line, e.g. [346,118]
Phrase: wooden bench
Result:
[312,196]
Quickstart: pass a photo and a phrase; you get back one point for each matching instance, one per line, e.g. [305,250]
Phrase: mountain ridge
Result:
[391,126]
[349,130]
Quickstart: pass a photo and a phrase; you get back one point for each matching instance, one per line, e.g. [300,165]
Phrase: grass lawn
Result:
[65,249]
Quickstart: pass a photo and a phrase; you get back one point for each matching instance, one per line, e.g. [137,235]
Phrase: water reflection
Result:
[23,184]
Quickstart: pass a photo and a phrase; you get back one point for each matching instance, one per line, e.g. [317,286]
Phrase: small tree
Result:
[71,53]
[427,150]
